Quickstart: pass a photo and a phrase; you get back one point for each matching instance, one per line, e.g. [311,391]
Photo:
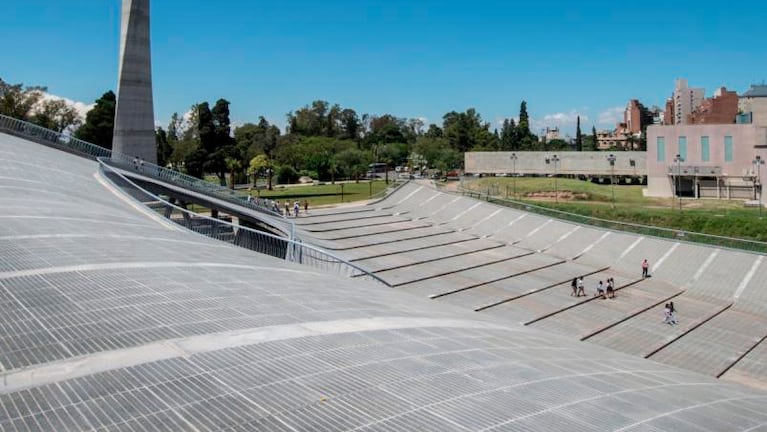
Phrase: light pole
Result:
[514,172]
[679,159]
[758,161]
[611,160]
[555,160]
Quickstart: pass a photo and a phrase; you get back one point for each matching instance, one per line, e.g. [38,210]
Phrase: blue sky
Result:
[411,59]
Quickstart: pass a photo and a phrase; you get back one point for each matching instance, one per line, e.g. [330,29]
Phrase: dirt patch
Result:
[562,195]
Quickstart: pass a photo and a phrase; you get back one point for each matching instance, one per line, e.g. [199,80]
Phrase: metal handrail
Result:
[79,147]
[653,231]
[294,251]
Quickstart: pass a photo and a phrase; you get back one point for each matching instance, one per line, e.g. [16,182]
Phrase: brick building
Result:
[720,109]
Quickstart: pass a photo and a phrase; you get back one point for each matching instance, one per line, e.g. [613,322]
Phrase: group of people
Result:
[604,291]
[296,207]
[669,314]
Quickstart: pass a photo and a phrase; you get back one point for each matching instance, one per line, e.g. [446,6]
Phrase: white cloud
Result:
[81,107]
[564,119]
[611,116]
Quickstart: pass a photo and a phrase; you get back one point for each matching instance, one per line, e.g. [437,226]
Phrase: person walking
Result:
[610,288]
[672,313]
[600,290]
[574,285]
[581,290]
[306,206]
[667,314]
[645,268]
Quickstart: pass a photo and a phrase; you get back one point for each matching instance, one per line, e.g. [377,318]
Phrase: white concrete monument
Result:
[134,133]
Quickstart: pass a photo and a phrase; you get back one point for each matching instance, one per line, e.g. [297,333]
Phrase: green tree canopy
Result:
[100,122]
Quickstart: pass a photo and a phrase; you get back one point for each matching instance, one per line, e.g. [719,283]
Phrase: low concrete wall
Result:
[570,163]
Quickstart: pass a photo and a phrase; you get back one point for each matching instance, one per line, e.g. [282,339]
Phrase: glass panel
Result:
[728,149]
[683,147]
[661,149]
[704,149]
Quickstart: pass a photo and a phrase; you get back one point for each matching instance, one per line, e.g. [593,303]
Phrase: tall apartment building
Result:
[752,105]
[685,101]
[636,117]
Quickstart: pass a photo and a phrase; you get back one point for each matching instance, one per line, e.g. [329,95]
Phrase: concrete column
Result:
[134,133]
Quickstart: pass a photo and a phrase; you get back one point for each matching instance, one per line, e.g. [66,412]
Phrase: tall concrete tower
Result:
[134,116]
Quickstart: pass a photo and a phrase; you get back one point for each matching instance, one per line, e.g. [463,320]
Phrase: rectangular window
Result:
[661,144]
[704,149]
[683,147]
[728,149]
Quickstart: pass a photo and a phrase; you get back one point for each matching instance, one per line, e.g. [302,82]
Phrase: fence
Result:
[646,230]
[224,230]
[82,148]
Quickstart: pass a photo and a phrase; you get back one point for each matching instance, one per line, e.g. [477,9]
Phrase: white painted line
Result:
[703,267]
[408,196]
[108,222]
[459,215]
[113,236]
[445,206]
[664,257]
[99,362]
[540,227]
[430,199]
[592,245]
[138,265]
[568,234]
[487,218]
[630,248]
[748,277]
[519,218]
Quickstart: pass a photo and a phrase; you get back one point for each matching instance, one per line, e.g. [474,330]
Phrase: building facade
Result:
[685,100]
[714,160]
[720,109]
[753,104]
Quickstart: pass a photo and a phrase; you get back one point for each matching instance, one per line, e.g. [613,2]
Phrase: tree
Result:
[353,161]
[100,122]
[509,135]
[164,149]
[594,141]
[233,165]
[434,131]
[256,165]
[55,114]
[466,131]
[578,136]
[17,101]
[523,128]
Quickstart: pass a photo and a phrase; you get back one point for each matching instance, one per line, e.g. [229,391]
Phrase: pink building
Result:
[715,160]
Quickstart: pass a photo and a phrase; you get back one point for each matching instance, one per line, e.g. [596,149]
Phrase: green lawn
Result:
[325,194]
[716,217]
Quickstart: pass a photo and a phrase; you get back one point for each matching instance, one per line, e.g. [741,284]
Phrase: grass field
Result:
[320,195]
[717,217]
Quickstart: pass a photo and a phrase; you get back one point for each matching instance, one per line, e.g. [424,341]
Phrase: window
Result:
[728,149]
[704,149]
[661,144]
[683,147]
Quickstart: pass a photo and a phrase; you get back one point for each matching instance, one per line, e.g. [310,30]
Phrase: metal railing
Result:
[646,230]
[82,148]
[224,230]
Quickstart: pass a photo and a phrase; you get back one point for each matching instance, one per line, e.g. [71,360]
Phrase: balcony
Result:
[694,170]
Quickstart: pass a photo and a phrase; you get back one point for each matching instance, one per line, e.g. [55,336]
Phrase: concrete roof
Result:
[756,90]
[113,320]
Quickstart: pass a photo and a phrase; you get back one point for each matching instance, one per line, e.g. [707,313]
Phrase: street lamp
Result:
[678,159]
[514,172]
[758,161]
[555,160]
[611,160]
